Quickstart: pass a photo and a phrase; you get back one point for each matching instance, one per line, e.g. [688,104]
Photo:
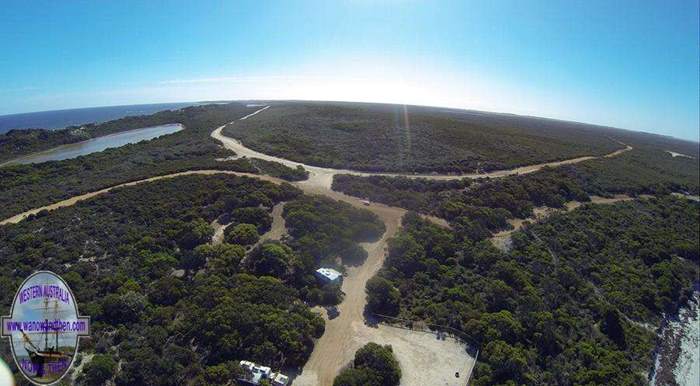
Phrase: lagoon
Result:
[97,144]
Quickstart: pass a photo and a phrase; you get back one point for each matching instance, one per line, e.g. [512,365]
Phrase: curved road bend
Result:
[337,345]
[322,177]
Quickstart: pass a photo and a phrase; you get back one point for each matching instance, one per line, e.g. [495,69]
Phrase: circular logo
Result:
[44,328]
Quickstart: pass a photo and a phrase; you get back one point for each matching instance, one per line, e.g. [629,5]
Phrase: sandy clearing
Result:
[424,359]
[673,154]
[278,228]
[219,229]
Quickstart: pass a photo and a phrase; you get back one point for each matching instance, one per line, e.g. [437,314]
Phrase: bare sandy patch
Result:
[674,154]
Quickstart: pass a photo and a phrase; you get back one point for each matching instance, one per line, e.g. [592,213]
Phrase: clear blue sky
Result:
[630,64]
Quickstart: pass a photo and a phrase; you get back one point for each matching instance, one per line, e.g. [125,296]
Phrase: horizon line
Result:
[601,125]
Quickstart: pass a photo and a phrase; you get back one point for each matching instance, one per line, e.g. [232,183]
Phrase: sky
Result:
[628,64]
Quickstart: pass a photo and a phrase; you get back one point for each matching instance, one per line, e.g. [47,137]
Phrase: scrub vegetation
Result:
[377,137]
[168,305]
[374,365]
[483,205]
[574,302]
[323,230]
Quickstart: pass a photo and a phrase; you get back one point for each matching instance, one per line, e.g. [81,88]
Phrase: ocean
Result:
[58,119]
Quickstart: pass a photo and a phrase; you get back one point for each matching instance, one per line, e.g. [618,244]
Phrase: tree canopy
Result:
[569,304]
[374,365]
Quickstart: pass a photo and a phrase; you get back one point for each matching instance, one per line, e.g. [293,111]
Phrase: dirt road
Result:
[71,201]
[338,344]
[323,177]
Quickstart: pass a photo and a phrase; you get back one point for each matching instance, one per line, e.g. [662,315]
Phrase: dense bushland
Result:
[376,137]
[570,304]
[323,230]
[164,303]
[167,304]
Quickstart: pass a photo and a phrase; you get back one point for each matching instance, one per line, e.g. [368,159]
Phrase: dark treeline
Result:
[164,303]
[416,194]
[570,304]
[24,187]
[377,137]
[276,169]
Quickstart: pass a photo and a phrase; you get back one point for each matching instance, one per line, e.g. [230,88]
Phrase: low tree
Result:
[243,234]
[382,297]
[273,259]
[194,233]
[99,369]
[223,258]
[374,365]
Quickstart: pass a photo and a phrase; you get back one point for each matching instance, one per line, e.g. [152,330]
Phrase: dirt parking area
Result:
[424,359]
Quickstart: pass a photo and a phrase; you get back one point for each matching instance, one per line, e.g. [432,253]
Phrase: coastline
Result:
[677,355]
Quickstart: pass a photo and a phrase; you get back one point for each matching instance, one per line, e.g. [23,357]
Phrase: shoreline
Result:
[677,354]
